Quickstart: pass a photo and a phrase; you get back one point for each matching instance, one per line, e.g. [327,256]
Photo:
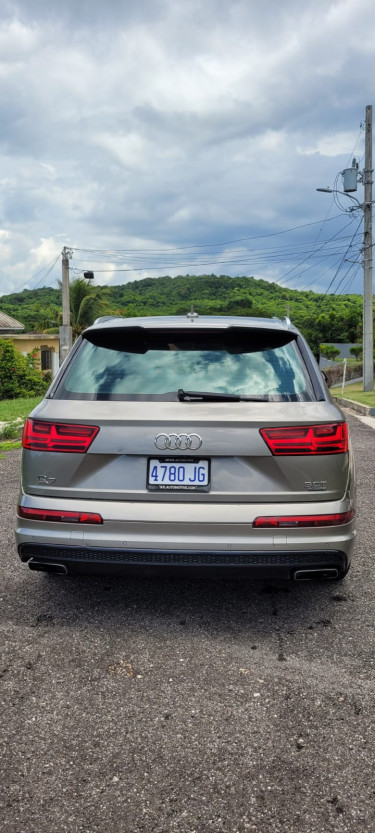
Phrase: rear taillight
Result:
[293,521]
[59,515]
[331,438]
[57,436]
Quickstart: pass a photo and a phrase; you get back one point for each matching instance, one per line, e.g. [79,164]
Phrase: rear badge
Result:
[316,485]
[43,478]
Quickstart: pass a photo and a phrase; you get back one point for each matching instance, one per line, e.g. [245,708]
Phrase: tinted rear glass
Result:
[139,364]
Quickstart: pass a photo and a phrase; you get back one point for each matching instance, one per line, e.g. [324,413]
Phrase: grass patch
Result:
[10,445]
[11,409]
[356,393]
[11,431]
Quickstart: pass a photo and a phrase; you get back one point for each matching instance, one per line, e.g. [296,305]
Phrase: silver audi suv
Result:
[188,442]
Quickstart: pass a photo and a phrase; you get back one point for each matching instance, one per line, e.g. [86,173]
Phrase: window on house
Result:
[46,358]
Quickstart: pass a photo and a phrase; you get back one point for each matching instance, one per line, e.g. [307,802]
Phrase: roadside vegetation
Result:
[12,409]
[9,446]
[321,318]
[19,375]
[87,302]
[356,393]
[22,386]
[13,413]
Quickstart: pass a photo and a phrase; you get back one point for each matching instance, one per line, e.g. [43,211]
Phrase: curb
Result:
[366,410]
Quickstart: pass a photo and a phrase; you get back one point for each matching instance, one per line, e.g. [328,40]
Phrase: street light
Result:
[329,190]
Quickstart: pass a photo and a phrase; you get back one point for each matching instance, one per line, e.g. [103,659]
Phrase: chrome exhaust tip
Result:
[48,567]
[318,573]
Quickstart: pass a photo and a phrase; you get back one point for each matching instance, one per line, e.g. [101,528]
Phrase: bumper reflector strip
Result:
[59,516]
[294,521]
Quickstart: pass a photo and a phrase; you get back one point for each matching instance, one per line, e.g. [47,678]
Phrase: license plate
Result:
[178,475]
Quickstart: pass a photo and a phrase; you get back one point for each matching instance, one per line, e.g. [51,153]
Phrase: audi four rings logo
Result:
[174,441]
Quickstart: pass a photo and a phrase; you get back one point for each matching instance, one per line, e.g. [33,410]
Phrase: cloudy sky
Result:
[182,136]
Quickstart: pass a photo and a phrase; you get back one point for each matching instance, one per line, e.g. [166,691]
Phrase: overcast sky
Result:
[156,132]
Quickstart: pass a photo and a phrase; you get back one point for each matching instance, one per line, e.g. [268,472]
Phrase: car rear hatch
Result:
[168,430]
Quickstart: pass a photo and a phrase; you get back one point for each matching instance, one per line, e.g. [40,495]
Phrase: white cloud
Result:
[336,144]
[45,251]
[173,122]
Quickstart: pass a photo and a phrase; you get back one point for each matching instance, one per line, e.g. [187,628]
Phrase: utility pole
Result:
[368,328]
[65,330]
[350,178]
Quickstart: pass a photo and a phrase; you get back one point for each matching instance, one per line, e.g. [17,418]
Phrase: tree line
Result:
[321,318]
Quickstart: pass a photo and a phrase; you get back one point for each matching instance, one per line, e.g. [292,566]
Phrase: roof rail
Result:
[106,318]
[284,320]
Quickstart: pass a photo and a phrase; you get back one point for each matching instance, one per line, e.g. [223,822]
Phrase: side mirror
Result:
[325,377]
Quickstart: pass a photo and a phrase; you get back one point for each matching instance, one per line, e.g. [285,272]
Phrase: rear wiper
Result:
[198,396]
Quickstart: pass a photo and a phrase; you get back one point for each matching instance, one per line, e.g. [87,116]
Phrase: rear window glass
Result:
[139,364]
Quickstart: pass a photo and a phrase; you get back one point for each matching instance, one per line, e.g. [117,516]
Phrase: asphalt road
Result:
[187,705]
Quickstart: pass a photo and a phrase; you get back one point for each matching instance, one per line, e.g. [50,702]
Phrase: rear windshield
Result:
[127,363]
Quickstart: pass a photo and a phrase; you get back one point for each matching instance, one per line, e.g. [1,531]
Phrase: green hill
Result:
[328,318]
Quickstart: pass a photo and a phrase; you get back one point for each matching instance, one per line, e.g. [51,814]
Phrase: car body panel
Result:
[242,467]
[246,479]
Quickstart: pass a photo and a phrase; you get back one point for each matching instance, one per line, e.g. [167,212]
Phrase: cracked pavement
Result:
[185,704]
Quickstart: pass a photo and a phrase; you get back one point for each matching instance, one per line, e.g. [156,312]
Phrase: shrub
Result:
[357,351]
[18,375]
[12,430]
[329,351]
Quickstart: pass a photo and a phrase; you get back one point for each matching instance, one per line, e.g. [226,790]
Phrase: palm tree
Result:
[86,303]
[46,317]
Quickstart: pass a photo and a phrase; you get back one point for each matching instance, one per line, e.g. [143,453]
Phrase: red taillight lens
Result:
[293,521]
[307,439]
[59,515]
[57,436]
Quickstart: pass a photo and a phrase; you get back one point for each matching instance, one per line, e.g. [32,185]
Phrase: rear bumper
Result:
[175,537]
[285,565]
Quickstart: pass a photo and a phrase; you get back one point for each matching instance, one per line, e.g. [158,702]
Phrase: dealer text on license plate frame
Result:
[187,474]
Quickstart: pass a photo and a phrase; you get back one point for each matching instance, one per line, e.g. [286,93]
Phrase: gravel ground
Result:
[188,705]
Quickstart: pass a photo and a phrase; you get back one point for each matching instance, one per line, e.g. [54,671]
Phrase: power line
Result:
[308,248]
[319,249]
[112,252]
[331,247]
[345,290]
[342,260]
[321,276]
[240,257]
[48,267]
[361,129]
[49,270]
